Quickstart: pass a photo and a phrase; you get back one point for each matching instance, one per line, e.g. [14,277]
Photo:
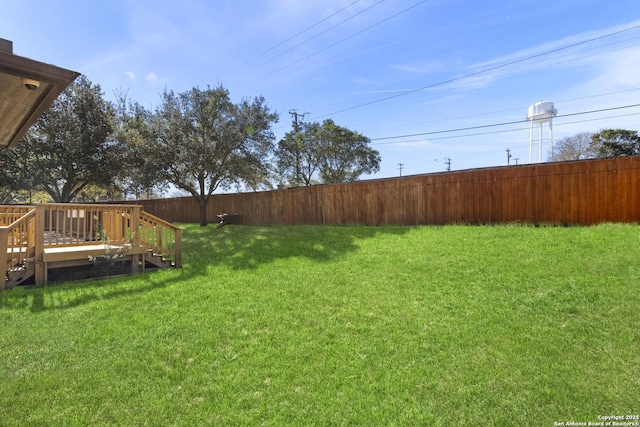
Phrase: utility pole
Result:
[448,163]
[298,152]
[508,157]
[400,166]
[516,159]
[295,115]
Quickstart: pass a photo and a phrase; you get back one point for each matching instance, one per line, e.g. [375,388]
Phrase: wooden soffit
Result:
[27,89]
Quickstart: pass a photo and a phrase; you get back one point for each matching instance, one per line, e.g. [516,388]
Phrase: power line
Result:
[599,95]
[304,31]
[320,33]
[477,73]
[449,130]
[529,69]
[554,61]
[501,124]
[511,122]
[503,131]
[353,35]
[522,108]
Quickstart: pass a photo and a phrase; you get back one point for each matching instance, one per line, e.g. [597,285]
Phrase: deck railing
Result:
[27,231]
[84,224]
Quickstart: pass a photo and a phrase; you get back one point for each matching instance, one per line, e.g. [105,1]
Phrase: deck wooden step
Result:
[18,274]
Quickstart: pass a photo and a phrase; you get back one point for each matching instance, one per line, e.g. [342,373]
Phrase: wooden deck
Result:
[35,239]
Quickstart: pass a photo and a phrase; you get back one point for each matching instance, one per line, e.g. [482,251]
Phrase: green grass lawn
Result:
[307,325]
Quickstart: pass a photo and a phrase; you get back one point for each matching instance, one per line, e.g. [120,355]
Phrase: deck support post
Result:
[40,268]
[4,258]
[135,237]
[136,211]
[135,264]
[178,248]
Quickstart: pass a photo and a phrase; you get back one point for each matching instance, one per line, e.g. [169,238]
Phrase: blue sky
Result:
[405,73]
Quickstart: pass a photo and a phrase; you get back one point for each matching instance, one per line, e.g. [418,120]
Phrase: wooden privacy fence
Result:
[580,193]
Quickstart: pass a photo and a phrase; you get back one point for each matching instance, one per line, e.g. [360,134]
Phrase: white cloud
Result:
[609,54]
[155,79]
[131,75]
[421,67]
[619,69]
[573,51]
[600,36]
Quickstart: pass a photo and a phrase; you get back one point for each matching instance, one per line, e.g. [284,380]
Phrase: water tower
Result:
[539,114]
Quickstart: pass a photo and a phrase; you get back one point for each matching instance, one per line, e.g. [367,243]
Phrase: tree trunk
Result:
[202,203]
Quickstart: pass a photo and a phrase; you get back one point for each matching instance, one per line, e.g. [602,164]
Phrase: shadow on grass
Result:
[236,247]
[247,247]
[64,295]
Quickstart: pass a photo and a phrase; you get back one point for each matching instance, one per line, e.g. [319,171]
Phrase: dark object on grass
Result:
[224,219]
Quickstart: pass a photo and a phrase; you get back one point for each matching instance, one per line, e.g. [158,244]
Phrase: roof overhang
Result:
[27,89]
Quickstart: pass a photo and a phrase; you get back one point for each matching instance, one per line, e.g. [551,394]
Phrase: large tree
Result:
[10,177]
[208,142]
[606,143]
[296,154]
[576,147]
[616,143]
[141,162]
[325,153]
[69,147]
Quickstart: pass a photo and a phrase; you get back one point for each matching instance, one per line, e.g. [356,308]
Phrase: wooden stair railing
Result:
[17,241]
[161,237]
[10,213]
